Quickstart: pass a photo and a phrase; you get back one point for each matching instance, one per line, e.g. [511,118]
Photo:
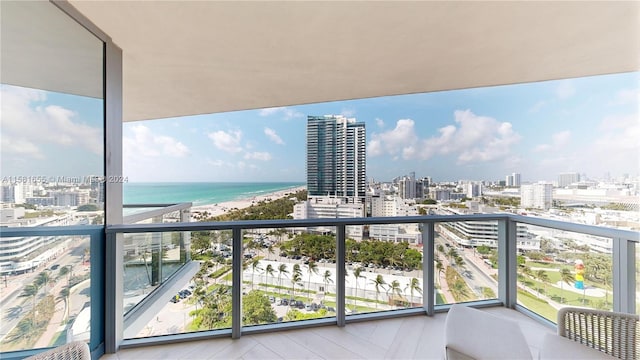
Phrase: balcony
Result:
[355,307]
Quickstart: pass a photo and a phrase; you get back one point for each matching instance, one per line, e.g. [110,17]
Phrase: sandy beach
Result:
[224,207]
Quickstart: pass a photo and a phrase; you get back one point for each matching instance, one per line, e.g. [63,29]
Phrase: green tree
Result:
[543,277]
[378,283]
[414,286]
[32,292]
[395,289]
[296,278]
[459,261]
[312,267]
[452,254]
[255,266]
[565,277]
[282,270]
[439,268]
[483,250]
[326,277]
[42,280]
[256,309]
[200,243]
[64,295]
[459,290]
[269,270]
[356,273]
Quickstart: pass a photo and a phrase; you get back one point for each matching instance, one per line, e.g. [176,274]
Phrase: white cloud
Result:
[262,156]
[558,141]
[626,96]
[565,90]
[399,140]
[286,112]
[273,136]
[474,138]
[216,163]
[347,112]
[538,106]
[619,134]
[380,122]
[27,124]
[227,141]
[145,143]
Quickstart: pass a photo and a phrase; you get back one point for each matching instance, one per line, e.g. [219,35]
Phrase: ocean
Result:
[198,193]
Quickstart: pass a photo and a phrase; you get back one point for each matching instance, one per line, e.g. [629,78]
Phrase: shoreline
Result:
[222,208]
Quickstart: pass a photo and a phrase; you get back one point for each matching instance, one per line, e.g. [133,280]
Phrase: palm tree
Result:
[327,279]
[459,261]
[64,295]
[565,277]
[31,291]
[295,279]
[356,274]
[43,279]
[440,269]
[414,285]
[313,268]
[255,265]
[378,283]
[282,269]
[452,254]
[459,290]
[269,270]
[394,287]
[542,276]
[441,248]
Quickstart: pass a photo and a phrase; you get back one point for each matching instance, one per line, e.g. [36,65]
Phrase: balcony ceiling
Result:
[185,58]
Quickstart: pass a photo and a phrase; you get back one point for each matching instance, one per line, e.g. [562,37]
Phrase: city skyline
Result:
[584,125]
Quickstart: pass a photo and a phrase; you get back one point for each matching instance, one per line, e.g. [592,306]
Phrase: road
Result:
[15,307]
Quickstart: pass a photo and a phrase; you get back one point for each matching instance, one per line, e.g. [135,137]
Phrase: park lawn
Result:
[538,306]
[571,298]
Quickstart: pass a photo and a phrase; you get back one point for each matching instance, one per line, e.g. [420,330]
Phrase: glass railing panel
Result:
[294,269]
[149,260]
[466,261]
[637,259]
[384,269]
[187,292]
[45,288]
[559,268]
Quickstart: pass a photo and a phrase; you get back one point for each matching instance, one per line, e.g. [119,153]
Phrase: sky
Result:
[587,125]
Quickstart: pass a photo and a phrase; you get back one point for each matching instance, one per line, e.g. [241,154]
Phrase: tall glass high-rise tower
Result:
[336,157]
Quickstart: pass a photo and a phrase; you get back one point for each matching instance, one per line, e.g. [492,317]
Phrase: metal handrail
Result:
[257,224]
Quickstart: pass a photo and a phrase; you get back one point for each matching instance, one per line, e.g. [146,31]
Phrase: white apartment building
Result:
[473,189]
[513,180]
[477,233]
[328,207]
[538,196]
[568,178]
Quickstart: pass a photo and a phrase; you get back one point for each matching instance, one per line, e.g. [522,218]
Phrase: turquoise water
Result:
[198,193]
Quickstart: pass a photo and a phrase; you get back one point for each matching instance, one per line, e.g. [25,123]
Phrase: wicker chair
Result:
[76,350]
[613,333]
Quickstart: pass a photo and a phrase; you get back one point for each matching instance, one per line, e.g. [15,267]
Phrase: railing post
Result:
[428,259]
[114,275]
[236,288]
[507,262]
[624,273]
[340,276]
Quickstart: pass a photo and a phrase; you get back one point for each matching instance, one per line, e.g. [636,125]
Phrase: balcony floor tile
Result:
[414,337]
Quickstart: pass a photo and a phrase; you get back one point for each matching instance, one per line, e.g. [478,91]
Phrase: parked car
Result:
[272,299]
